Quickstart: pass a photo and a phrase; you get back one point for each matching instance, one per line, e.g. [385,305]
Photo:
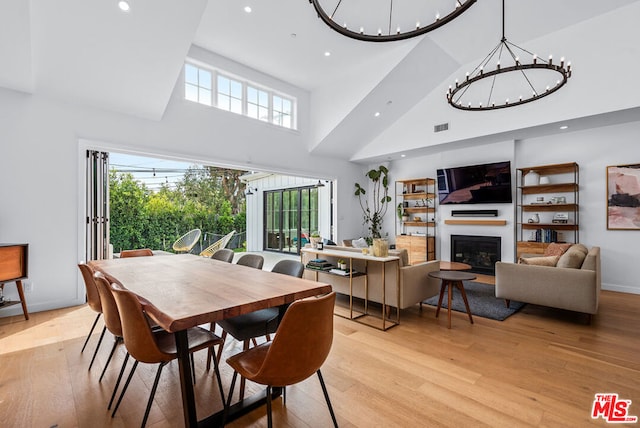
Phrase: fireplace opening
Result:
[480,252]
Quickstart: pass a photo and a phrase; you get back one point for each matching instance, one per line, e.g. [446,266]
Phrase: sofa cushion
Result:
[360,243]
[539,261]
[573,258]
[555,249]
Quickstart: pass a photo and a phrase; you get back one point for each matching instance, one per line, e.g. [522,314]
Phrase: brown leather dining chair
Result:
[255,261]
[142,252]
[297,352]
[154,347]
[113,324]
[93,300]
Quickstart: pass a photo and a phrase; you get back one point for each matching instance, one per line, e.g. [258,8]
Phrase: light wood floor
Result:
[540,367]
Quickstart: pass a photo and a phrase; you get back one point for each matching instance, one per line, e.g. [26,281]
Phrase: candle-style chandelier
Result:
[384,21]
[512,82]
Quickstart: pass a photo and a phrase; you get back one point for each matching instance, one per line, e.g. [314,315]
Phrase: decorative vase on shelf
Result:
[532,178]
[534,218]
[380,247]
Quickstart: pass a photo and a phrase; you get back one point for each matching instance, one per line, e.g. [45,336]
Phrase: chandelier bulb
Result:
[535,58]
[361,30]
[437,16]
[398,30]
[569,66]
[547,88]
[517,60]
[550,59]
[417,25]
[506,101]
[498,65]
[379,32]
[481,70]
[562,62]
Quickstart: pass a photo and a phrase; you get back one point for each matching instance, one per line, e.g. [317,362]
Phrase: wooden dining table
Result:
[183,291]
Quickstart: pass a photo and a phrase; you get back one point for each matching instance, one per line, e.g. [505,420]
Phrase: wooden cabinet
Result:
[416,218]
[14,268]
[547,206]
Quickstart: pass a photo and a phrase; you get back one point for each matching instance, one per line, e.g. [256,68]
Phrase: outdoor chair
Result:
[297,352]
[219,244]
[186,242]
[93,300]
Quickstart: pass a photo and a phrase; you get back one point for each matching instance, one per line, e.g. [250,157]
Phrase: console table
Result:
[361,317]
[14,268]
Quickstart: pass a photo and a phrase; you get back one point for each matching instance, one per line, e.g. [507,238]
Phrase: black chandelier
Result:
[384,23]
[509,84]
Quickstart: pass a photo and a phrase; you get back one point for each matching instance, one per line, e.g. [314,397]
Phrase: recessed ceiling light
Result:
[247,9]
[124,5]
[403,155]
[564,127]
[376,114]
[327,53]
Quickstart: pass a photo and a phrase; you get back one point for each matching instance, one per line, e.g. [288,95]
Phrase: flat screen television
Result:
[476,184]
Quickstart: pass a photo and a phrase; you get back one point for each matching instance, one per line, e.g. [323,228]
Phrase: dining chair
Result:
[186,242]
[114,325]
[297,352]
[218,245]
[252,260]
[224,255]
[158,347]
[264,322]
[93,300]
[142,252]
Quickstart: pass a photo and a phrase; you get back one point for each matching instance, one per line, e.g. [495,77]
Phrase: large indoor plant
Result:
[374,214]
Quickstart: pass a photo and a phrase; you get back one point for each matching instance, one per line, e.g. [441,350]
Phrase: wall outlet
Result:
[28,286]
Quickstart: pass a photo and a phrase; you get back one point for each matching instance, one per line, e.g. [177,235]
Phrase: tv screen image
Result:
[476,184]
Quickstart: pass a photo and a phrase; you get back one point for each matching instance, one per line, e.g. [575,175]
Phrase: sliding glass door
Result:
[291,215]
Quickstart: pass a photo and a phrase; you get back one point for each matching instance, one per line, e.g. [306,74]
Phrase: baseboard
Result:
[621,288]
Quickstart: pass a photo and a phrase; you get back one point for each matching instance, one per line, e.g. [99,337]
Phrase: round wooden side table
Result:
[450,279]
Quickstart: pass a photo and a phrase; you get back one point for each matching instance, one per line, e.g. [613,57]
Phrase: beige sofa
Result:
[415,283]
[573,288]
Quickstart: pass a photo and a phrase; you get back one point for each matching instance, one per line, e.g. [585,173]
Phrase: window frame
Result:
[272,116]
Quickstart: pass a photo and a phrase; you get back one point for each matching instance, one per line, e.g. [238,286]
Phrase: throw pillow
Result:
[573,258]
[581,248]
[539,261]
[360,243]
[555,249]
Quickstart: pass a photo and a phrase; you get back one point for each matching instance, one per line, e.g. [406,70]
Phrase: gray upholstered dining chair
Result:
[224,255]
[252,260]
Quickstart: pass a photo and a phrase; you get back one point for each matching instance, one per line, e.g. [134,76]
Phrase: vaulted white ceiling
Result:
[91,53]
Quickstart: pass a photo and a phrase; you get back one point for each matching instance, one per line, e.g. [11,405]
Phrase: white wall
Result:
[593,150]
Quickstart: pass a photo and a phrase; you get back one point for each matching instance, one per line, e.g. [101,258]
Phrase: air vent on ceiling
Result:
[441,127]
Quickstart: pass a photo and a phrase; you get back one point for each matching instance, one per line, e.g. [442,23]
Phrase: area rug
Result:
[482,301]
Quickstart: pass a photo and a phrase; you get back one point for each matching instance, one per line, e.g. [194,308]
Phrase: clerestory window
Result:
[238,96]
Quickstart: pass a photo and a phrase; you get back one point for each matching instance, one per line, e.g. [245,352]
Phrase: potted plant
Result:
[314,238]
[374,214]
[342,264]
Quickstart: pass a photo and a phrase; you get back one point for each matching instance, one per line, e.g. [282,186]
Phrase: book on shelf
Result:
[319,265]
[342,272]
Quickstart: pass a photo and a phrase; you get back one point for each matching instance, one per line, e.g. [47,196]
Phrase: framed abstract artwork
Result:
[623,197]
